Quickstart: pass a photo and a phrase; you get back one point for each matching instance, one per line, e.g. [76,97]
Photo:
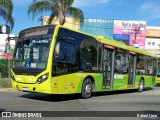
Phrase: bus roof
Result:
[121,45]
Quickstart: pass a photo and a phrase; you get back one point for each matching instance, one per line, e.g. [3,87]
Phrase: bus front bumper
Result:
[40,88]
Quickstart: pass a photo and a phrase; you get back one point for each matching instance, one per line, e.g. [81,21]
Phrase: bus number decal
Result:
[120,77]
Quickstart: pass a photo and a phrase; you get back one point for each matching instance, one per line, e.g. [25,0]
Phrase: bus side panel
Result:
[157,80]
[148,81]
[72,83]
[97,79]
[120,82]
[69,83]
[54,85]
[137,79]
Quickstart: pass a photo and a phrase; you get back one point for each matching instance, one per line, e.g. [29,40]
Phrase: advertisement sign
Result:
[152,33]
[135,29]
[121,36]
[98,27]
[6,56]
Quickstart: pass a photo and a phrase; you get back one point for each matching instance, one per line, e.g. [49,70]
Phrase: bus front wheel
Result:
[141,85]
[87,88]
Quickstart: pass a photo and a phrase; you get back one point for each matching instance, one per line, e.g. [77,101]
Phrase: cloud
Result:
[150,11]
[89,3]
[21,2]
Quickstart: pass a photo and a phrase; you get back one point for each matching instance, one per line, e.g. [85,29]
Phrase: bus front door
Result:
[108,69]
[132,71]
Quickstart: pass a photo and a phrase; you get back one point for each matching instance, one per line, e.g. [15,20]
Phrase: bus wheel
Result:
[87,88]
[141,86]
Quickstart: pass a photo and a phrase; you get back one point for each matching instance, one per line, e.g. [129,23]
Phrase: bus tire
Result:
[141,85]
[87,88]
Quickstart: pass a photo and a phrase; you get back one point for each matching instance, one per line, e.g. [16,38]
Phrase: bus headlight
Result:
[12,77]
[42,78]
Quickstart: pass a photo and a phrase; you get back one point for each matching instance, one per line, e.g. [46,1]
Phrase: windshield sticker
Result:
[34,32]
[120,77]
[18,64]
[41,41]
[28,64]
[41,65]
[33,65]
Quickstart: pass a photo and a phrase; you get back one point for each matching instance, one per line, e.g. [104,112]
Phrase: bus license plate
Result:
[25,88]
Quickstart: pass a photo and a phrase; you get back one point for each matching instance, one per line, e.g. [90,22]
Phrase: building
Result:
[98,27]
[70,23]
[153,39]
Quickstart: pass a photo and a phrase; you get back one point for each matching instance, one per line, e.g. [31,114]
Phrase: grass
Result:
[4,82]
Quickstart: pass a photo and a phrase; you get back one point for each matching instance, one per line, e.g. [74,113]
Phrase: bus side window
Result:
[88,56]
[64,57]
[121,62]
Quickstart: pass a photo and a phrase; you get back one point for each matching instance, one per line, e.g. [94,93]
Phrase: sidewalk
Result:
[7,89]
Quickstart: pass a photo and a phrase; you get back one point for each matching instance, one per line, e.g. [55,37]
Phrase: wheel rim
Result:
[141,86]
[88,88]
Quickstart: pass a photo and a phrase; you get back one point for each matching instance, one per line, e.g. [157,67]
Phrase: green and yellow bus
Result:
[53,59]
[158,72]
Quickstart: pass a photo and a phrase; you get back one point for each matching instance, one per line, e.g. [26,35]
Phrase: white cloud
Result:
[89,3]
[150,11]
[21,2]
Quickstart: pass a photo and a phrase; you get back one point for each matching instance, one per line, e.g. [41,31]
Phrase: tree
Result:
[58,8]
[6,8]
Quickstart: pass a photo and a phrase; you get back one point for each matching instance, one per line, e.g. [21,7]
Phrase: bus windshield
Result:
[32,53]
[32,50]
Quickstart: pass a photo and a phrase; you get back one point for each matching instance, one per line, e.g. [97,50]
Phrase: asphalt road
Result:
[148,100]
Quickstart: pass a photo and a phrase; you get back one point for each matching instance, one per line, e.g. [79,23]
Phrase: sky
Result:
[141,10]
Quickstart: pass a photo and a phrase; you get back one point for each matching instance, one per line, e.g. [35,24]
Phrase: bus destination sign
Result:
[33,32]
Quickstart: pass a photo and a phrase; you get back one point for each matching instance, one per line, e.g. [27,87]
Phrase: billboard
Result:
[98,27]
[153,33]
[121,36]
[133,31]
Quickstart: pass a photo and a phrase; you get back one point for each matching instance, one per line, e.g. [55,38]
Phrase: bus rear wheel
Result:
[87,88]
[141,85]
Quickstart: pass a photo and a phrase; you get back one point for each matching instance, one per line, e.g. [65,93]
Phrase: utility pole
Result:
[41,20]
[136,31]
[8,51]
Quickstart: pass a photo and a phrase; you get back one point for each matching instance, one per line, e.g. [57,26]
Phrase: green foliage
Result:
[4,68]
[4,79]
[6,8]
[4,82]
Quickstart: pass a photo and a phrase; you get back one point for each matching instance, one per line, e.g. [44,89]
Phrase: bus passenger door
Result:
[108,68]
[132,69]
